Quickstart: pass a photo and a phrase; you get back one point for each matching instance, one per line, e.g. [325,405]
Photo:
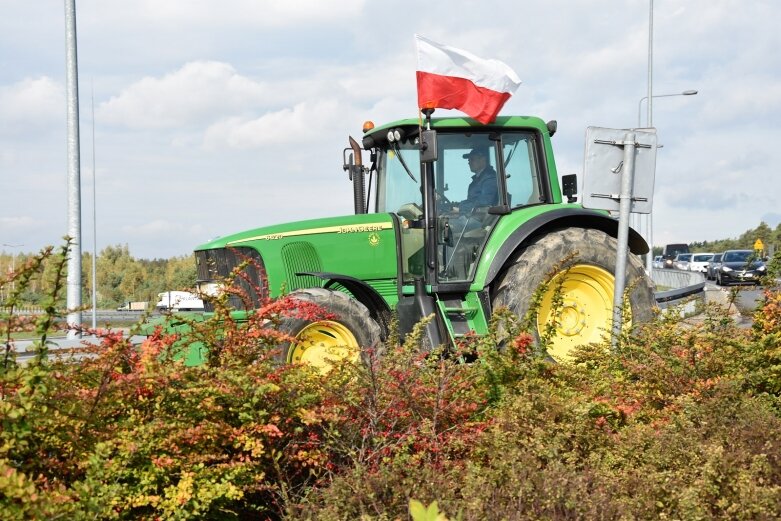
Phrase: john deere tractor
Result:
[412,248]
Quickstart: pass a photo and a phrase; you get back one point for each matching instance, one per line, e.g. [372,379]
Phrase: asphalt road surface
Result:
[747,297]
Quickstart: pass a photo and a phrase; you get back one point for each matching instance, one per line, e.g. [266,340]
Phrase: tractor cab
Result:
[450,198]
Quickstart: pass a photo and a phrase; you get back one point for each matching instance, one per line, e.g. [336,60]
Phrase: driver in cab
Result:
[482,191]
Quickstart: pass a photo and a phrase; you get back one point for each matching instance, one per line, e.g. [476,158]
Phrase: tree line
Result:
[120,277]
[770,238]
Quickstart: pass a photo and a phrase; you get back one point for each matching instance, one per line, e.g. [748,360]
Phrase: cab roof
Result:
[377,134]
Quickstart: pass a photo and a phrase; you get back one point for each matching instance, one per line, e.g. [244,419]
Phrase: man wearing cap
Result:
[482,189]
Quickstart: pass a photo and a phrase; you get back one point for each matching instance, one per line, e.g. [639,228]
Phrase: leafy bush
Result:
[680,422]
[131,432]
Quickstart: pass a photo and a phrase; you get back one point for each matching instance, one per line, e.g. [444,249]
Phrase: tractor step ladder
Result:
[458,315]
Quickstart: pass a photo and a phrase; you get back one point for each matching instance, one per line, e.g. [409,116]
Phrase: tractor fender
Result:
[557,219]
[363,293]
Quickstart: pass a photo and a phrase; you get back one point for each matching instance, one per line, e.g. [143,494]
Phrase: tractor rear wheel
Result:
[583,262]
[349,332]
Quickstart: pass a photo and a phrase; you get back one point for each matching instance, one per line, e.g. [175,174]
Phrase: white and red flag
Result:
[451,78]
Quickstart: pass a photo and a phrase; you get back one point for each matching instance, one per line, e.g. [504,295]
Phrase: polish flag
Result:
[450,78]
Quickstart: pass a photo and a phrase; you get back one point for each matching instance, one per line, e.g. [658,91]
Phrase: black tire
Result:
[347,315]
[718,279]
[591,258]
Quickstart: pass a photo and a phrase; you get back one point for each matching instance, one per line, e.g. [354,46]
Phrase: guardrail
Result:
[102,315]
[22,310]
[683,284]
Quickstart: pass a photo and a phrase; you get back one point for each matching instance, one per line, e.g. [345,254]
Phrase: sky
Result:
[216,117]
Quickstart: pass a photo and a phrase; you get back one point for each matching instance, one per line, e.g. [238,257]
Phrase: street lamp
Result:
[640,103]
[649,217]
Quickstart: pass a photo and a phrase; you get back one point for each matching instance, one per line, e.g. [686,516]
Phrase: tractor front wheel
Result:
[582,263]
[348,332]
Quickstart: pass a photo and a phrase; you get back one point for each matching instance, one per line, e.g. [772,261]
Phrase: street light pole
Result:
[73,293]
[649,258]
[649,261]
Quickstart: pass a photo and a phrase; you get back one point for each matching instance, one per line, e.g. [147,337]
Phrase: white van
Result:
[178,301]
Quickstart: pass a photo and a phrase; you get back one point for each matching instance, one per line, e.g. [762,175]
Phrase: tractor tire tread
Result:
[530,266]
[349,311]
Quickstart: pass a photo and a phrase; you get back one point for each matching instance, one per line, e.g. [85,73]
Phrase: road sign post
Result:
[619,176]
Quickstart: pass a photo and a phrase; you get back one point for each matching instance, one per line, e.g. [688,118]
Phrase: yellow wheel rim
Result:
[585,314]
[322,343]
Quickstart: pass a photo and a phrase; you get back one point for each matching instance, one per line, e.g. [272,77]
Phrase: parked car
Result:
[713,265]
[700,262]
[681,261]
[670,251]
[658,262]
[740,266]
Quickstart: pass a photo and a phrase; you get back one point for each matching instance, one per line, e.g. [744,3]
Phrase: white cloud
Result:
[196,91]
[31,104]
[162,228]
[260,13]
[19,222]
[290,126]
[7,157]
[31,232]
[731,98]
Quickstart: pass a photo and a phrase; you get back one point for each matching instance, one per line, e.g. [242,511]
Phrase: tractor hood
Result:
[304,230]
[360,246]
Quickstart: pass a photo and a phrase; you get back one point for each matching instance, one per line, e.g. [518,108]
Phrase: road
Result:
[747,297]
[60,345]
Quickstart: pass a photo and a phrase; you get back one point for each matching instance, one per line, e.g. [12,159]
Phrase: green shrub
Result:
[680,422]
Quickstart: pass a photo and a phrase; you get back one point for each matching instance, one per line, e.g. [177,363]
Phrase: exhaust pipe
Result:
[356,175]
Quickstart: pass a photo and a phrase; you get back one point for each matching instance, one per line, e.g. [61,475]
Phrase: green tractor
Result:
[418,246]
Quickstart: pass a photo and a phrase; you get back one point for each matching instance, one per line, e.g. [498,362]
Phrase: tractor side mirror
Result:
[569,187]
[428,146]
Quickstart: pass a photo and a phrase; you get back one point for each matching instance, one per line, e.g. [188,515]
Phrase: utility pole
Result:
[73,296]
[649,259]
[94,224]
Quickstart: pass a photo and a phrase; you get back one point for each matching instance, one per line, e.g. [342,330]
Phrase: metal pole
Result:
[73,300]
[13,262]
[649,259]
[625,208]
[94,223]
[650,64]
[691,92]
[639,111]
[649,217]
